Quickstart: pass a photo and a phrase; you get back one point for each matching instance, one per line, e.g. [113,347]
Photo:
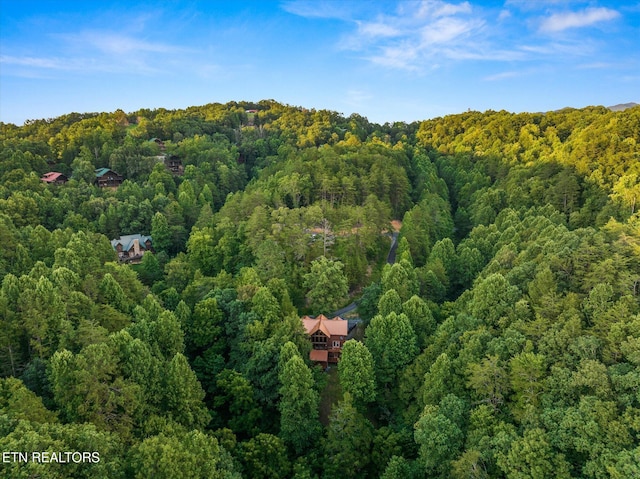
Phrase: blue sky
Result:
[386,60]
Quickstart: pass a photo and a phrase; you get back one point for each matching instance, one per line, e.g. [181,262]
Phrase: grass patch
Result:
[330,395]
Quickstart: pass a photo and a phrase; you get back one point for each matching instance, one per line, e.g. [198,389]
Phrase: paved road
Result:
[391,258]
[345,310]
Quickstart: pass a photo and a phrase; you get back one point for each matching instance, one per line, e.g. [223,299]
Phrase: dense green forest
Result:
[504,342]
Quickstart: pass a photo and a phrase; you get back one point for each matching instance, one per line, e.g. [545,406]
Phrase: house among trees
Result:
[54,178]
[174,164]
[131,248]
[106,178]
[158,142]
[250,116]
[327,337]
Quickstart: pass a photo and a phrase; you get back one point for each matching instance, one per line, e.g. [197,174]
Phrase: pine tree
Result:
[299,425]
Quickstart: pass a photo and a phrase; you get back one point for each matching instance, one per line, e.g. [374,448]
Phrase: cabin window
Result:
[319,340]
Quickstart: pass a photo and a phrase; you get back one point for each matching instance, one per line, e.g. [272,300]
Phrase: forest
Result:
[503,341]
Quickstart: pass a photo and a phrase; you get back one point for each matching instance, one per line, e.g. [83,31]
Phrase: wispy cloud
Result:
[419,34]
[357,97]
[317,9]
[29,65]
[437,9]
[449,29]
[562,50]
[34,62]
[91,51]
[81,65]
[400,56]
[503,75]
[422,35]
[378,30]
[533,5]
[504,14]
[562,21]
[595,66]
[118,43]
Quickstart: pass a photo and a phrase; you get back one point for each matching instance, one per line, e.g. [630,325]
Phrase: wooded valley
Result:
[503,342]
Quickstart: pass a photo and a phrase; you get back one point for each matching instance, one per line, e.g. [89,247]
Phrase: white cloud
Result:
[584,18]
[28,64]
[84,64]
[403,57]
[34,62]
[595,66]
[116,43]
[504,14]
[104,51]
[447,30]
[530,5]
[562,50]
[357,97]
[316,9]
[419,34]
[416,35]
[377,29]
[437,9]
[482,53]
[503,75]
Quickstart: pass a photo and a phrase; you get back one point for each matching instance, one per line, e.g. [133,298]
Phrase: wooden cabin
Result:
[174,164]
[106,178]
[131,248]
[54,178]
[327,338]
[158,142]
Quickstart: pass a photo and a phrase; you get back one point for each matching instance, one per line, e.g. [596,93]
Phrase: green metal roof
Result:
[102,171]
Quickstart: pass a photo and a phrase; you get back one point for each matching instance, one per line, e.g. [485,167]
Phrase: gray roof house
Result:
[131,248]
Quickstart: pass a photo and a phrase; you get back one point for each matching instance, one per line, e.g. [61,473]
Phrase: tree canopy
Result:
[501,340]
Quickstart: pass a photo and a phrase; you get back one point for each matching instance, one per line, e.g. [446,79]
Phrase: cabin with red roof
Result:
[54,178]
[327,338]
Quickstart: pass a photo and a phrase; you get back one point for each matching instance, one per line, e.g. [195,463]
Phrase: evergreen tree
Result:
[298,406]
[184,395]
[265,456]
[327,284]
[392,343]
[356,371]
[347,447]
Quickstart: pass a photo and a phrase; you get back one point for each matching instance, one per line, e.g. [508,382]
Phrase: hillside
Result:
[622,106]
[504,342]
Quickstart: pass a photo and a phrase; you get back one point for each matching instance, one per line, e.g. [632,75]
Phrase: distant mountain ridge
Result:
[622,106]
[618,107]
